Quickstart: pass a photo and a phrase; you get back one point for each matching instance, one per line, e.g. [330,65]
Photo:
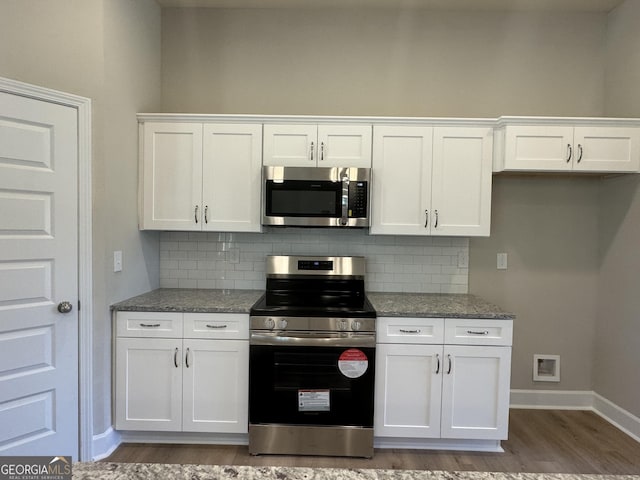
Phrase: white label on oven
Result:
[353,363]
[313,401]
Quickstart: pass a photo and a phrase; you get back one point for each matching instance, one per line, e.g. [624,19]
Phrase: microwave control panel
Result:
[358,196]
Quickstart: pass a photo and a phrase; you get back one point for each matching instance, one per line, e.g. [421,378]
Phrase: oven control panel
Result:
[313,324]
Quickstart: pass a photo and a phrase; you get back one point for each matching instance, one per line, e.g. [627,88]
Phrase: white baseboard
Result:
[552,399]
[185,437]
[578,400]
[439,444]
[625,421]
[105,444]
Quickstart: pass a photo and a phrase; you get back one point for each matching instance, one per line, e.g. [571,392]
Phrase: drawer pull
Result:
[403,330]
[216,326]
[150,325]
[475,332]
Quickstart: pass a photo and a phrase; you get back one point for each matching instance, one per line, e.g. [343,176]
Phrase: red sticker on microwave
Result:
[353,363]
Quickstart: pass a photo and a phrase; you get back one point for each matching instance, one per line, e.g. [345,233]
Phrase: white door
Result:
[607,149]
[172,164]
[231,177]
[401,198]
[216,386]
[461,184]
[344,146]
[408,388]
[38,271]
[538,148]
[149,384]
[290,145]
[475,392]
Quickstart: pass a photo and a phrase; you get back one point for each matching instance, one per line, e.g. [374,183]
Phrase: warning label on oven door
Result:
[353,363]
[313,401]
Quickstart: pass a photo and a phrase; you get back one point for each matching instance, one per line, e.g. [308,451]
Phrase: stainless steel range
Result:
[312,359]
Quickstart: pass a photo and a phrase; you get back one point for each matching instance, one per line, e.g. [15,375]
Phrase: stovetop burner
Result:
[309,286]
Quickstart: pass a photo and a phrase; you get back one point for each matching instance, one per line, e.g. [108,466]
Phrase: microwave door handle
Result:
[345,199]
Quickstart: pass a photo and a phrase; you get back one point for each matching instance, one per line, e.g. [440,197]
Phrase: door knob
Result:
[65,307]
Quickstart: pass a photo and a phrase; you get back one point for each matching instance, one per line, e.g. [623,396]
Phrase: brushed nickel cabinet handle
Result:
[216,326]
[436,224]
[195,214]
[579,152]
[206,214]
[426,218]
[175,357]
[186,359]
[312,151]
[475,332]
[402,330]
[321,151]
[570,152]
[450,364]
[437,363]
[149,325]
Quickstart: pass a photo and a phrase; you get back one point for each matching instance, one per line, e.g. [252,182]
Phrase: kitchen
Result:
[570,239]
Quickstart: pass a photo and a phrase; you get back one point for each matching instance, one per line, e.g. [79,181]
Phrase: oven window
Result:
[285,380]
[296,198]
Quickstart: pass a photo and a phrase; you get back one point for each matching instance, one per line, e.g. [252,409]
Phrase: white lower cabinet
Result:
[181,383]
[428,389]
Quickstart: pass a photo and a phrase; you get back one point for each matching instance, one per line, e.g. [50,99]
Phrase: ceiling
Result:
[598,6]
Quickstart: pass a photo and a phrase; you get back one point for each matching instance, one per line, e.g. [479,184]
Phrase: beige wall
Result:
[109,51]
[618,329]
[382,62]
[549,229]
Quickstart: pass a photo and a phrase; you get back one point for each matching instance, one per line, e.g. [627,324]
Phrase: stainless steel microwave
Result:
[316,196]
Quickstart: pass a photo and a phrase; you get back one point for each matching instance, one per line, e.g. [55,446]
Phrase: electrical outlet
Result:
[502,261]
[117,261]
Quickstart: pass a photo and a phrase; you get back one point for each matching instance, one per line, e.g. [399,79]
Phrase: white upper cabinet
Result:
[231,177]
[299,145]
[172,175]
[431,180]
[201,177]
[461,185]
[567,148]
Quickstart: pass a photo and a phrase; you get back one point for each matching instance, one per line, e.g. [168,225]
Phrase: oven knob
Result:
[356,325]
[283,324]
[269,323]
[343,324]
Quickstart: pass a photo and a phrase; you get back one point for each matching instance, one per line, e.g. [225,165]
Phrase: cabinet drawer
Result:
[410,330]
[461,331]
[149,324]
[216,325]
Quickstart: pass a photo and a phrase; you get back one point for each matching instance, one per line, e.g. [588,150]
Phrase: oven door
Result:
[311,379]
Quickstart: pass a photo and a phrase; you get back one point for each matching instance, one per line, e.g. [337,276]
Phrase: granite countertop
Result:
[194,300]
[144,471]
[240,301]
[435,305]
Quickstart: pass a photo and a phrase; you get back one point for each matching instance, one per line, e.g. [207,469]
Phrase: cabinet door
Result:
[172,172]
[216,386]
[148,384]
[541,148]
[344,146]
[231,177]
[290,145]
[607,149]
[408,389]
[475,392]
[401,176]
[461,183]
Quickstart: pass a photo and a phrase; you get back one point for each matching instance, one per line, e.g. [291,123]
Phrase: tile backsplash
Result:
[237,260]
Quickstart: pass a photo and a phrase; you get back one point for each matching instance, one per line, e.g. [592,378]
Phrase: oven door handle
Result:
[313,339]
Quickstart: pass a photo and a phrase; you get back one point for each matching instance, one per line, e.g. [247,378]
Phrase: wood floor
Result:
[540,441]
